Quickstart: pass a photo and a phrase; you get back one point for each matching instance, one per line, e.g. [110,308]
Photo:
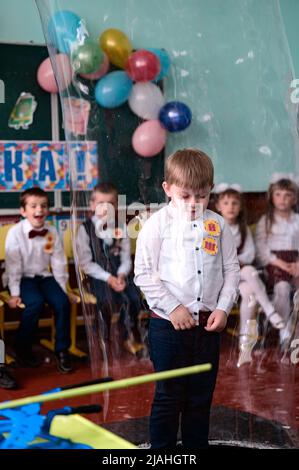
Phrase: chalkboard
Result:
[139,179]
[18,67]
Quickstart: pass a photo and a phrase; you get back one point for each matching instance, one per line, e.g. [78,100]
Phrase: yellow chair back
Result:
[67,243]
[3,234]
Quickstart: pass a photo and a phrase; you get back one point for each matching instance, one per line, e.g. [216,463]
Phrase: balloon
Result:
[164,61]
[104,67]
[113,89]
[62,30]
[175,116]
[146,100]
[149,138]
[117,46]
[86,57]
[46,77]
[143,66]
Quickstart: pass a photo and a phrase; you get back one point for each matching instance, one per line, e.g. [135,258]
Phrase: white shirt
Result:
[93,269]
[247,254]
[172,268]
[26,257]
[284,235]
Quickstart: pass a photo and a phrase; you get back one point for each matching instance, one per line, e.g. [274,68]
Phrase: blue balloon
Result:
[164,61]
[175,116]
[113,89]
[62,30]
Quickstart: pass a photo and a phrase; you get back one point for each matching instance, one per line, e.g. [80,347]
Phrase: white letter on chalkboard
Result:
[2,92]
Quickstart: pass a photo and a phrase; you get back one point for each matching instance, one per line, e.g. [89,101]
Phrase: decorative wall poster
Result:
[24,164]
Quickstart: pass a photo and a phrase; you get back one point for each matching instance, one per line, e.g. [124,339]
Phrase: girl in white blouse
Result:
[229,203]
[277,242]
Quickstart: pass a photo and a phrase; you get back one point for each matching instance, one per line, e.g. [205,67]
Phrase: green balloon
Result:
[87,58]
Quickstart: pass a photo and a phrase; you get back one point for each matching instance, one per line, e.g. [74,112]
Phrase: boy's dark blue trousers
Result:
[186,398]
[35,292]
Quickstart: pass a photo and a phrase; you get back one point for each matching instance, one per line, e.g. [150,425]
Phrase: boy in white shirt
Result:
[32,246]
[187,267]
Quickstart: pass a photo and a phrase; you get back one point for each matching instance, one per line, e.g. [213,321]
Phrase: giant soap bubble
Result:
[216,59]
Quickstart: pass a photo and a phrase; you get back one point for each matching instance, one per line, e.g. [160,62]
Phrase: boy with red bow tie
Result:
[32,246]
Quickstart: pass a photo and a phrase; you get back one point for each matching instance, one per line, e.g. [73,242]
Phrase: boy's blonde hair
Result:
[189,168]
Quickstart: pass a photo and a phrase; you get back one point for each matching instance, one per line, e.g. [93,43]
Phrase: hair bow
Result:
[275,177]
[222,187]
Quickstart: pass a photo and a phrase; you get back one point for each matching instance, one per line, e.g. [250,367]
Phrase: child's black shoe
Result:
[64,362]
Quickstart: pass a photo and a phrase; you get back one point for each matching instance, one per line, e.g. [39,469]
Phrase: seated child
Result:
[229,203]
[277,242]
[31,247]
[105,257]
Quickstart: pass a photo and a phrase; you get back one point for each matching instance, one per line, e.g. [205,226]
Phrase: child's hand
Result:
[73,298]
[287,267]
[15,302]
[216,321]
[114,283]
[181,318]
[294,269]
[122,280]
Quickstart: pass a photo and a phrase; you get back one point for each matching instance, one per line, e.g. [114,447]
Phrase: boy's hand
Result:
[15,302]
[114,283]
[181,319]
[122,280]
[73,298]
[216,321]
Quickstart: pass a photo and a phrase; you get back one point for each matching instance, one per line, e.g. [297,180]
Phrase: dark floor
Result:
[255,405]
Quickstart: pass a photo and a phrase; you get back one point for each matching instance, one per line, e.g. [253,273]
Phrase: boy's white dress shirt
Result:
[29,257]
[184,262]
[93,269]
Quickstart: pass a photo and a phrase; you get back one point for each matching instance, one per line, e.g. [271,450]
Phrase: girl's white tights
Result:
[253,291]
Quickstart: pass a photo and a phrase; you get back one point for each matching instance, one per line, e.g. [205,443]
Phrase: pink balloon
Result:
[149,138]
[45,73]
[104,67]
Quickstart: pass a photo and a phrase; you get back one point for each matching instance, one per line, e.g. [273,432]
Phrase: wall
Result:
[231,66]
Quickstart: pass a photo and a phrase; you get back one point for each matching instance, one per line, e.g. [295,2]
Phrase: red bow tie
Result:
[38,233]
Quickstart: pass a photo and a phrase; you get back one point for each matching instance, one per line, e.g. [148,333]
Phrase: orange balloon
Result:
[117,46]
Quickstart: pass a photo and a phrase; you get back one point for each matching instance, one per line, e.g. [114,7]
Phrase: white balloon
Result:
[146,100]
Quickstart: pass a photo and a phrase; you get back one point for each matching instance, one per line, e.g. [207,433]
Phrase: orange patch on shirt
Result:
[49,245]
[212,227]
[210,246]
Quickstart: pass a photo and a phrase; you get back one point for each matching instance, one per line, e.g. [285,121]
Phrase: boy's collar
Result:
[28,227]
